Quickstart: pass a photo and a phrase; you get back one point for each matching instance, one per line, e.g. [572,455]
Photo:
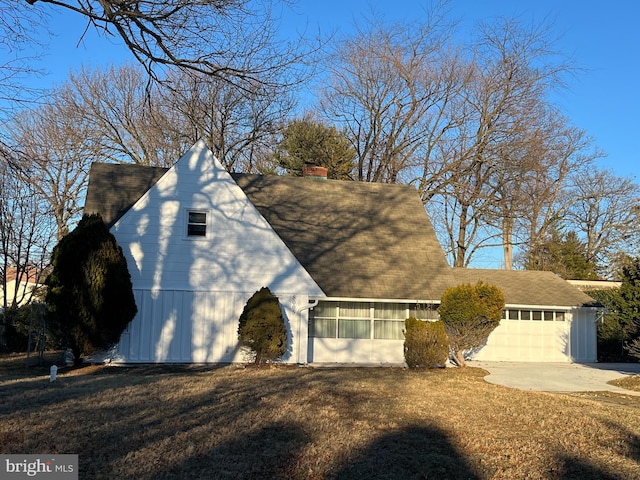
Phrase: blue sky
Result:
[600,36]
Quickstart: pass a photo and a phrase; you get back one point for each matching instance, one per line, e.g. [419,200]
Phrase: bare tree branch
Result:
[234,40]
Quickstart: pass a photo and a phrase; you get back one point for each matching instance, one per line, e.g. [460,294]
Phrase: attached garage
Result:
[532,335]
[545,319]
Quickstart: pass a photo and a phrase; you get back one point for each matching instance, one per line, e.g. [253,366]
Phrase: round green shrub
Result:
[426,344]
[470,313]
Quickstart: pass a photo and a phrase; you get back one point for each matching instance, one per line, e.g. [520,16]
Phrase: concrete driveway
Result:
[558,377]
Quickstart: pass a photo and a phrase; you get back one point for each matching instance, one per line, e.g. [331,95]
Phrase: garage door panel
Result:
[527,340]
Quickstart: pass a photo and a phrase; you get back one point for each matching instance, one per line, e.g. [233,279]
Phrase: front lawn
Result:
[631,382]
[190,422]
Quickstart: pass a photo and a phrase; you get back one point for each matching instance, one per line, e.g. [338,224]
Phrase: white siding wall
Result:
[179,326]
[24,292]
[358,351]
[190,291]
[239,253]
[584,346]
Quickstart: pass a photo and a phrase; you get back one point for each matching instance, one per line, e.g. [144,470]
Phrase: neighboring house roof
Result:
[527,287]
[27,275]
[594,284]
[356,239]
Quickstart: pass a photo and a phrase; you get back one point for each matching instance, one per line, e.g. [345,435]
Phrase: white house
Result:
[21,285]
[349,262]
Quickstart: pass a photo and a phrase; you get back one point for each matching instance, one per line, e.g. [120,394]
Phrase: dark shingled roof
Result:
[358,240]
[527,287]
[114,188]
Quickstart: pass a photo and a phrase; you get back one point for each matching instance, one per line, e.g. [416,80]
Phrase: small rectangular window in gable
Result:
[197,224]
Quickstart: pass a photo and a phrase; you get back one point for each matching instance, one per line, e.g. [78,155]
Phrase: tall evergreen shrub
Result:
[629,304]
[470,313]
[90,296]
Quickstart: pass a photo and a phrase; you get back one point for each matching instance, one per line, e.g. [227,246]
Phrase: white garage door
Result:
[529,336]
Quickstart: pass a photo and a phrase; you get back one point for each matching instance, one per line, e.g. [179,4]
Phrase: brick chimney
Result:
[315,172]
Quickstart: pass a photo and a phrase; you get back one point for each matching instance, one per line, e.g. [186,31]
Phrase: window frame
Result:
[189,223]
[529,315]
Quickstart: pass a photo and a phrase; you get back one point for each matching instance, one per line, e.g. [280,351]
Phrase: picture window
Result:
[365,320]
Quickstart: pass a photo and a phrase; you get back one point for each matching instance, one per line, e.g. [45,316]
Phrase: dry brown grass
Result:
[631,382]
[173,422]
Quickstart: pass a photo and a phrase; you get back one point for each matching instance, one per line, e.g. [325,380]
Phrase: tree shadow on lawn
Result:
[572,467]
[29,393]
[411,453]
[581,469]
[232,424]
[278,446]
[115,413]
[31,390]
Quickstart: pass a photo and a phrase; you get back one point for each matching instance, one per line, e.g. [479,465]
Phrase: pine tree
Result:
[564,255]
[630,303]
[307,142]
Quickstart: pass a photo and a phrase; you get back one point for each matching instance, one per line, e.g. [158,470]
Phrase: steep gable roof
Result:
[527,287]
[357,240]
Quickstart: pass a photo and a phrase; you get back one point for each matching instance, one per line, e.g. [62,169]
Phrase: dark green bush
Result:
[615,328]
[90,296]
[261,327]
[426,344]
[470,313]
[18,322]
[437,344]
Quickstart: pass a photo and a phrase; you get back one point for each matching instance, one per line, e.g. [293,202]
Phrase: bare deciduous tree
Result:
[239,126]
[514,69]
[128,126]
[55,152]
[530,187]
[26,236]
[123,123]
[473,129]
[389,88]
[606,212]
[234,40]
[18,35]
